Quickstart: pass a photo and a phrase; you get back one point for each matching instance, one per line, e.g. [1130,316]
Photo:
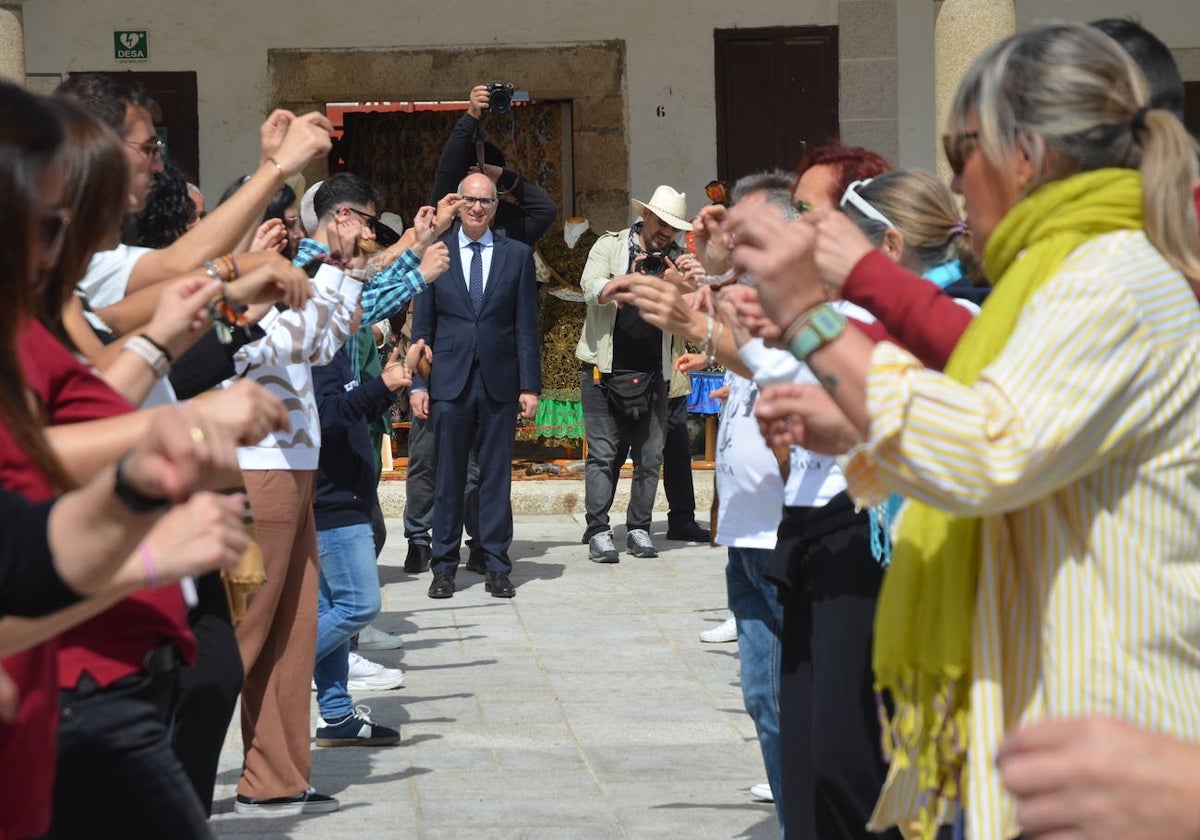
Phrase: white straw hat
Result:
[668,205]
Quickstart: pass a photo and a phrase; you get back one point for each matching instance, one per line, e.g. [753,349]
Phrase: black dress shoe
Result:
[499,585]
[689,532]
[476,561]
[419,557]
[442,585]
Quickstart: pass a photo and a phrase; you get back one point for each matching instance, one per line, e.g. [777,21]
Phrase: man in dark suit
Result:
[482,326]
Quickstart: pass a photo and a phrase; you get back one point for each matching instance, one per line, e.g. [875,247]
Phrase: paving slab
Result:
[584,708]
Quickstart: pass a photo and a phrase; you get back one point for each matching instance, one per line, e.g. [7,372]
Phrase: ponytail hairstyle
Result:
[1073,100]
[29,141]
[924,213]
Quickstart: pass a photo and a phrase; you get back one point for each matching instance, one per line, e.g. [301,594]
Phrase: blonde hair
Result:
[923,212]
[1073,100]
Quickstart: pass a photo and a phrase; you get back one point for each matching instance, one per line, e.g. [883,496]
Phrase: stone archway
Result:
[591,75]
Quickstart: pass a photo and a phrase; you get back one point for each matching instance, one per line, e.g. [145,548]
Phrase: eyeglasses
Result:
[152,148]
[958,147]
[485,203]
[851,197]
[54,223]
[370,220]
[294,224]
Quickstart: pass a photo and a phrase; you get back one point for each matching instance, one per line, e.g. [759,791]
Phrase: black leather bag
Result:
[630,394]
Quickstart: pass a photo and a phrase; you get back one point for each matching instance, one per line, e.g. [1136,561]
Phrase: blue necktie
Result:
[475,289]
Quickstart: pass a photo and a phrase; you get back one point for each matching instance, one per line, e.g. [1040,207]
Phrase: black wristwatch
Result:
[131,498]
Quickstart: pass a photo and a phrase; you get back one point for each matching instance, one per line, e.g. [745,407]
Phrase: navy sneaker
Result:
[305,802]
[355,730]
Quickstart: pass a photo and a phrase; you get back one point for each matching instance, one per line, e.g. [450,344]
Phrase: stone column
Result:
[12,42]
[964,29]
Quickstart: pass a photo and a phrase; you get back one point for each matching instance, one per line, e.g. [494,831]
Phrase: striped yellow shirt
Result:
[1079,448]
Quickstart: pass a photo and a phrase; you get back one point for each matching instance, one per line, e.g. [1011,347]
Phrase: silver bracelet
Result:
[148,353]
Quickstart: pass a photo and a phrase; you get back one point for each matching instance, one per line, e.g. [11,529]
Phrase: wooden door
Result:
[777,93]
[179,123]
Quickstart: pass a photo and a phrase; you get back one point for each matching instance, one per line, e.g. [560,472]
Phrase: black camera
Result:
[653,263]
[500,94]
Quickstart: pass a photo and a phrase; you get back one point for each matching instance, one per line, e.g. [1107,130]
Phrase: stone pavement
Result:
[584,708]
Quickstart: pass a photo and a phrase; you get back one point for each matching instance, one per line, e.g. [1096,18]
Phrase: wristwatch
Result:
[131,498]
[824,325]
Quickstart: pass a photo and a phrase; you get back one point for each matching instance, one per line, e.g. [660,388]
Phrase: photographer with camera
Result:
[524,213]
[627,366]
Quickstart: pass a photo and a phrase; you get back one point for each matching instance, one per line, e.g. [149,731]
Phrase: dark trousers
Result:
[611,439]
[419,480]
[117,775]
[208,689]
[473,416]
[677,466]
[832,764]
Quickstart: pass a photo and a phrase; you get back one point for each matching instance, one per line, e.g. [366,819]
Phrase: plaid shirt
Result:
[384,295]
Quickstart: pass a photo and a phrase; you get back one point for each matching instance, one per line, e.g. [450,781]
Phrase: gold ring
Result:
[197,434]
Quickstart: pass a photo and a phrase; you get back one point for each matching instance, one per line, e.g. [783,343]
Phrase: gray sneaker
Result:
[639,544]
[602,550]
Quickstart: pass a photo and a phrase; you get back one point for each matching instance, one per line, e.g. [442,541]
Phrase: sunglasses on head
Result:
[958,147]
[851,197]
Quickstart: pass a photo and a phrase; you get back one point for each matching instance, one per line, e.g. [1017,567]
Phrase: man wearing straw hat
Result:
[626,370]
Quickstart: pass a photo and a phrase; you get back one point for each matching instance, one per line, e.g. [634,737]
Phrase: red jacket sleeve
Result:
[923,319]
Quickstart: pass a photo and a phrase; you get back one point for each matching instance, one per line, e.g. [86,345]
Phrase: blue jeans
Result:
[759,617]
[347,601]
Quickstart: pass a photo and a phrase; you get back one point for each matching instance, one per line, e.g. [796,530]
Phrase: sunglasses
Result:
[851,197]
[958,147]
[367,218]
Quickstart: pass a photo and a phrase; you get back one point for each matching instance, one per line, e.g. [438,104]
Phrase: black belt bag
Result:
[630,394]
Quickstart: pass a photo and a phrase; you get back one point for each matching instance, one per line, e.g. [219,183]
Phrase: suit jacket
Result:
[503,338]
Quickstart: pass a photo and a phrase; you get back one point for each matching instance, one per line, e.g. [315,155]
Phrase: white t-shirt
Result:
[749,485]
[108,274]
[814,479]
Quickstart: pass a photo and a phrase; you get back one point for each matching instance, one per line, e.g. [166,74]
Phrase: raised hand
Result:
[447,210]
[712,243]
[205,534]
[435,262]
[181,312]
[796,414]
[419,358]
[779,255]
[276,279]
[396,373]
[307,137]
[181,453]
[479,101]
[271,235]
[246,411]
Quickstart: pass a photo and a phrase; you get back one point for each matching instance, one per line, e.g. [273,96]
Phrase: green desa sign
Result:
[131,45]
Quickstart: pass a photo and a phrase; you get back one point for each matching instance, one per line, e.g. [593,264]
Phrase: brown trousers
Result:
[278,636]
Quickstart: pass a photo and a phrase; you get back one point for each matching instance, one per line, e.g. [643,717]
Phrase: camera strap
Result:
[479,150]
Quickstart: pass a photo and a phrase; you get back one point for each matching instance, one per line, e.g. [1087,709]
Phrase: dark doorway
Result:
[777,92]
[179,124]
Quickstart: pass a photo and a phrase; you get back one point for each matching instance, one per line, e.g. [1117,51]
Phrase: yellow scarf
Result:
[923,625]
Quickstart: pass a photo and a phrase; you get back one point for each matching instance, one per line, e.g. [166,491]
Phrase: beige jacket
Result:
[609,258]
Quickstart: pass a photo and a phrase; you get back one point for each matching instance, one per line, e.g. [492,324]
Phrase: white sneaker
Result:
[370,638]
[726,631]
[762,792]
[366,675]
